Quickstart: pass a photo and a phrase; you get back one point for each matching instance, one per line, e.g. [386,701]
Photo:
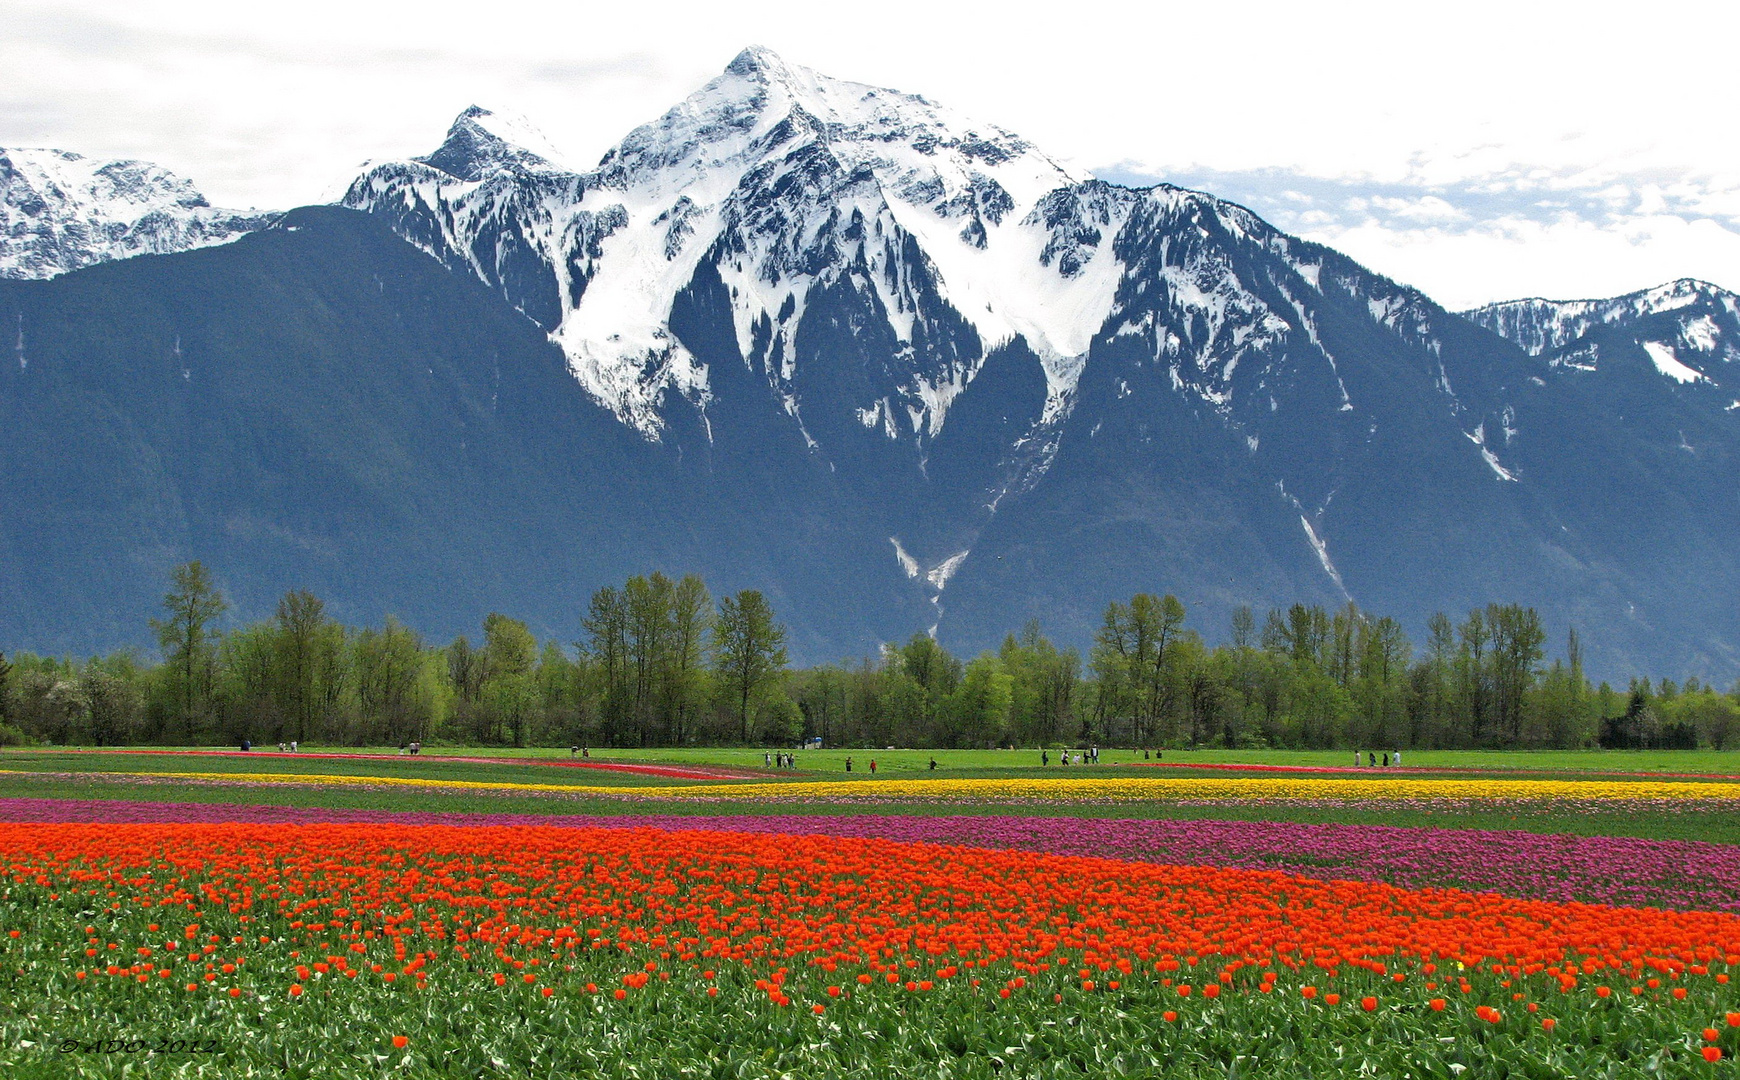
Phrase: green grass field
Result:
[909,760]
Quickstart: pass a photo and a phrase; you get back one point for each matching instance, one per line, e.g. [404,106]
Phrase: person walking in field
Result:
[848,764]
[1397,758]
[1044,757]
[872,766]
[1356,759]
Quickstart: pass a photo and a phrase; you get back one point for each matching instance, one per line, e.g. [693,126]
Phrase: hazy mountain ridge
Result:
[60,211]
[1688,330]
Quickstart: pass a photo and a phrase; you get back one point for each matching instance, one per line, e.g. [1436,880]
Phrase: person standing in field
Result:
[1356,759]
[1044,757]
[872,766]
[1397,759]
[848,764]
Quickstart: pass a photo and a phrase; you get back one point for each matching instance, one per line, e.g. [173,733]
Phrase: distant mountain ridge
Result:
[60,211]
[1688,329]
[863,341]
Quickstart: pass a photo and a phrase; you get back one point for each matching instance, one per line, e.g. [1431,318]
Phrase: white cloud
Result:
[1565,259]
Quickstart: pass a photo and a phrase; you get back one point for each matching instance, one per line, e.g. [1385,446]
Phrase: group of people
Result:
[291,748]
[405,747]
[781,760]
[1371,762]
[247,746]
[1090,756]
[580,751]
[872,765]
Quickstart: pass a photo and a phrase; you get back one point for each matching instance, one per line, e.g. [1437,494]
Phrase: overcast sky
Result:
[1478,150]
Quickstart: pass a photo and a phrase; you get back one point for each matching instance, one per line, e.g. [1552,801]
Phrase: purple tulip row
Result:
[1676,874]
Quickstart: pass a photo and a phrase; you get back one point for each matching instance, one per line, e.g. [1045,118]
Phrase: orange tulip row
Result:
[519,893]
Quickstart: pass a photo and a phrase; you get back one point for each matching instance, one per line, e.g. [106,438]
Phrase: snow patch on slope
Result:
[1478,438]
[940,573]
[1662,355]
[907,562]
[1321,548]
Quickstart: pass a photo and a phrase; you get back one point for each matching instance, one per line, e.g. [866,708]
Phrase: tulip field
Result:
[219,915]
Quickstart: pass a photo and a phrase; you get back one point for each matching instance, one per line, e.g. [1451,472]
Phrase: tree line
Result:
[661,662]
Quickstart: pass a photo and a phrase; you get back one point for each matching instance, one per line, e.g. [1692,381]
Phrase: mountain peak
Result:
[758,61]
[483,141]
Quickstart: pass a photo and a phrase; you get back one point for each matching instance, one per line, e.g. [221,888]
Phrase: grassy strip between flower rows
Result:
[312,950]
[832,760]
[1118,788]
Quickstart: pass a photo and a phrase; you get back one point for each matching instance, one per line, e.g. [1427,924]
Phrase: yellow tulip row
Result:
[1166,789]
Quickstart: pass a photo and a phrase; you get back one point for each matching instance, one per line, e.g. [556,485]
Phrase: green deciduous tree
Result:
[188,642]
[748,652]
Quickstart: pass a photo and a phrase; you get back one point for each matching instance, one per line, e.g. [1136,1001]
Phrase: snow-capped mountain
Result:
[1689,330]
[784,183]
[875,254]
[60,211]
[897,368]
